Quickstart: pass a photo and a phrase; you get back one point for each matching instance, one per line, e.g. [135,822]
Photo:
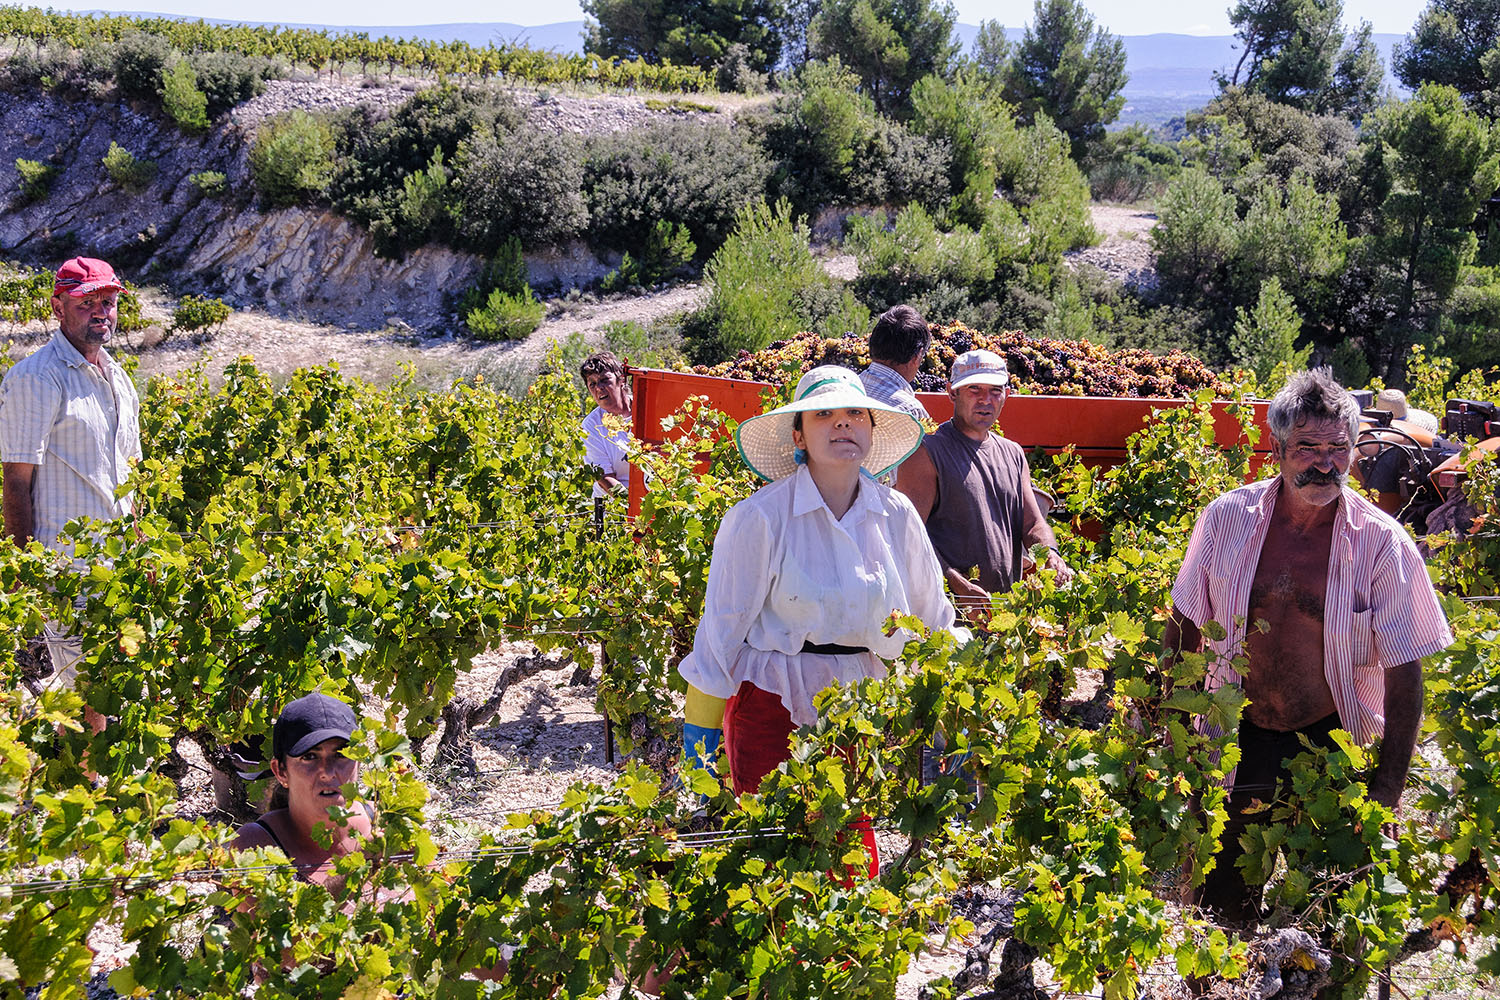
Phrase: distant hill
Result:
[1173,74]
[1169,74]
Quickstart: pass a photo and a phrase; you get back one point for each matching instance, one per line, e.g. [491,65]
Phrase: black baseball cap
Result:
[309,721]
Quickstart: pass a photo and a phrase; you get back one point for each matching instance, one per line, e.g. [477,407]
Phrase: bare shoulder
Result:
[918,463]
[254,834]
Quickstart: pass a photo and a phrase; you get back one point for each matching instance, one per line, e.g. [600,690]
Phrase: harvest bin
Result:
[1096,426]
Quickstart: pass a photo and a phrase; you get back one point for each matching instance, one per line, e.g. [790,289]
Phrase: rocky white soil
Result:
[1125,253]
[558,110]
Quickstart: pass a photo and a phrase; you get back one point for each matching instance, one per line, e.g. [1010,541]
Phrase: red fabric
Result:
[82,275]
[757,737]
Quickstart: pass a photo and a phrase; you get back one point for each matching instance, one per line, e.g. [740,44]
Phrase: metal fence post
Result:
[609,725]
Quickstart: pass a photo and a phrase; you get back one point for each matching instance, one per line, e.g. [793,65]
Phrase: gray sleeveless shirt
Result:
[977,519]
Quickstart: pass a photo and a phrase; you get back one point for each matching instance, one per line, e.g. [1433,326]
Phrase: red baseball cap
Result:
[83,275]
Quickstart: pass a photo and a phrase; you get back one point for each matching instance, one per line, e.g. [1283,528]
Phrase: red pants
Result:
[757,737]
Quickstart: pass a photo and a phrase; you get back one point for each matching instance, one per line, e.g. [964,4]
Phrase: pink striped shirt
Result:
[1380,609]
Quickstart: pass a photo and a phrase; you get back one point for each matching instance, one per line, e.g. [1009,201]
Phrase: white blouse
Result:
[785,571]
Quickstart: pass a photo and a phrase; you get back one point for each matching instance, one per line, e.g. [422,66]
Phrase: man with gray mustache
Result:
[1328,601]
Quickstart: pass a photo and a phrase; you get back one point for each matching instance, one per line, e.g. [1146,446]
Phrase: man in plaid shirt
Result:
[69,427]
[898,345]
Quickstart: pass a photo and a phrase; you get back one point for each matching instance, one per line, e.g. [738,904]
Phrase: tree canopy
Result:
[1449,45]
[1433,163]
[1297,52]
[888,44]
[686,32]
[1069,70]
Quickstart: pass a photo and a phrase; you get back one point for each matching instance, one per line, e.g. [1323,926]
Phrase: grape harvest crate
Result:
[1096,427]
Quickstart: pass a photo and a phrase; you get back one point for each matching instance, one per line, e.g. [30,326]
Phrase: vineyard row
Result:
[319,50]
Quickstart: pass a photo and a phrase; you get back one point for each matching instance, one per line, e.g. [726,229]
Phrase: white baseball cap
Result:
[978,367]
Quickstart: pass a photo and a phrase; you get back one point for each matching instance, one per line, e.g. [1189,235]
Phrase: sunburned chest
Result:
[1291,578]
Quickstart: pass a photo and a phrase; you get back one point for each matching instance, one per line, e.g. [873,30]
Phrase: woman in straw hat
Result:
[806,571]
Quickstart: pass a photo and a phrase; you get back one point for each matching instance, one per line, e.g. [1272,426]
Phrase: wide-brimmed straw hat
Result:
[765,441]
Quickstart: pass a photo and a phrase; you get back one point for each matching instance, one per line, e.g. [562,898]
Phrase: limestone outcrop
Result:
[307,263]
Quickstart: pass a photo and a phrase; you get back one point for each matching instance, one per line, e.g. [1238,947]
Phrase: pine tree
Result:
[1069,70]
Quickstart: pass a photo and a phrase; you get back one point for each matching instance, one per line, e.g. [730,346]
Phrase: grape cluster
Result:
[1038,365]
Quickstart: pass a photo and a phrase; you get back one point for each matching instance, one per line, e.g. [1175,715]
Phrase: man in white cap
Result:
[973,489]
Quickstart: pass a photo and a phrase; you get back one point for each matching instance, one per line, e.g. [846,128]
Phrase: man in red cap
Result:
[69,425]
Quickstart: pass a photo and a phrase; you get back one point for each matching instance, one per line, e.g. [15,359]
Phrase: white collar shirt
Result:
[785,571]
[605,448]
[79,426]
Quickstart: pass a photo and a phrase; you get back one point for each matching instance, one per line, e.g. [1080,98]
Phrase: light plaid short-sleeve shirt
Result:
[1380,609]
[886,384]
[80,429]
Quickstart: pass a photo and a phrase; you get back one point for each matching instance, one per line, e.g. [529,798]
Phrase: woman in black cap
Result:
[309,766]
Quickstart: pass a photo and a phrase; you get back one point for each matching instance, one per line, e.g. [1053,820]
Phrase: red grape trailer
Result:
[1097,427]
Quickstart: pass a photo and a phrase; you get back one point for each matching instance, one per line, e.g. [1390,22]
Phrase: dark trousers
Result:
[1261,776]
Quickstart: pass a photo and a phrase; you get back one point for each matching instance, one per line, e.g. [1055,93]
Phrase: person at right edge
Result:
[1345,608]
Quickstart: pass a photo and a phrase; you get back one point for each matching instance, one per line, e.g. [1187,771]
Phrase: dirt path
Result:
[280,345]
[1124,253]
[1122,222]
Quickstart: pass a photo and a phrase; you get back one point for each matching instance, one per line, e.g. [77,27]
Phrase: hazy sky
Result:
[1124,17]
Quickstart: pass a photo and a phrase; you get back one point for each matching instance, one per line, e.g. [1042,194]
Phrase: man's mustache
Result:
[1310,477]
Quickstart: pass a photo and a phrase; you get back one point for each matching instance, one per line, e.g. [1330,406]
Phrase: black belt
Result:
[831,648]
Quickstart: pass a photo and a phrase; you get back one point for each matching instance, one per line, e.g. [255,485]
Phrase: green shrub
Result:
[292,159]
[668,248]
[914,257]
[505,272]
[377,157]
[36,179]
[501,305]
[1195,234]
[195,313]
[1242,137]
[1291,233]
[131,319]
[528,183]
[229,78]
[1131,165]
[61,69]
[963,115]
[1034,169]
[1350,363]
[128,171]
[1471,327]
[831,147]
[139,61]
[423,205]
[25,295]
[765,285]
[736,71]
[505,317]
[211,183]
[181,98]
[1264,339]
[695,174]
[658,345]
